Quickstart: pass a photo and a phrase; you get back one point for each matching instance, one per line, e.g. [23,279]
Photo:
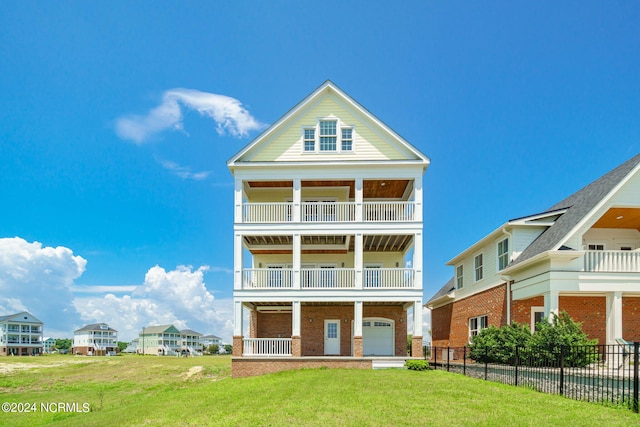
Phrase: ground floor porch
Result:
[20,350]
[252,366]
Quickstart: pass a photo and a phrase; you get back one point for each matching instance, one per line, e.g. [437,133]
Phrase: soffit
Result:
[371,189]
[620,218]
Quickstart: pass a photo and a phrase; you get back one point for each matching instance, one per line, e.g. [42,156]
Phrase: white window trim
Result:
[532,322]
[475,268]
[479,323]
[498,255]
[460,278]
[316,135]
[596,243]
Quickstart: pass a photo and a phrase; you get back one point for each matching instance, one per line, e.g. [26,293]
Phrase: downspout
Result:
[507,280]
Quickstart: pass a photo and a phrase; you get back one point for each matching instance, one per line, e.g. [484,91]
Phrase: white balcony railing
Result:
[266,347]
[612,261]
[389,278]
[328,278]
[389,211]
[279,212]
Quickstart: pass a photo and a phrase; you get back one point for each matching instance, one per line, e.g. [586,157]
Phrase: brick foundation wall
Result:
[631,318]
[450,323]
[590,311]
[246,367]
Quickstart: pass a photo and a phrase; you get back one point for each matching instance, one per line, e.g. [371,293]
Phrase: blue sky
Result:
[518,104]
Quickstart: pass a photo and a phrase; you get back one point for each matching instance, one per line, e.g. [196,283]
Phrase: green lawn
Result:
[157,391]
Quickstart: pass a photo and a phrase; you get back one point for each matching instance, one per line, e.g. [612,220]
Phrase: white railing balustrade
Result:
[267,212]
[319,278]
[328,212]
[388,211]
[612,261]
[390,278]
[267,278]
[266,347]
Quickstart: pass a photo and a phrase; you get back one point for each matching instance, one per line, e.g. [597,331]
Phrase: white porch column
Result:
[357,318]
[297,260]
[237,262]
[238,315]
[237,201]
[417,197]
[296,315]
[359,198]
[417,260]
[551,303]
[358,261]
[614,317]
[297,199]
[417,318]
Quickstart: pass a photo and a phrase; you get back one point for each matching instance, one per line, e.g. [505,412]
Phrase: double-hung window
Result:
[310,139]
[459,277]
[347,139]
[477,262]
[476,324]
[503,254]
[328,135]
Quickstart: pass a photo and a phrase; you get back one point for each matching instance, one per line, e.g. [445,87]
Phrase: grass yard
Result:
[148,390]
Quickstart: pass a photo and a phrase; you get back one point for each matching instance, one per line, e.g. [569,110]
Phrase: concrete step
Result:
[388,363]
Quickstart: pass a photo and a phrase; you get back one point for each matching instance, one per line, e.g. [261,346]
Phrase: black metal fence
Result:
[606,374]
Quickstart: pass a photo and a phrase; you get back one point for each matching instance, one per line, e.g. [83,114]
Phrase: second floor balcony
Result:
[612,261]
[313,212]
[328,278]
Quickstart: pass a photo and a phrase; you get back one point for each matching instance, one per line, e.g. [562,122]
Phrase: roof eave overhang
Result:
[442,300]
[544,256]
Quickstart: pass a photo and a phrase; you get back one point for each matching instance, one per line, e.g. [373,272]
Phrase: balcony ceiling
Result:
[372,189]
[371,243]
[620,218]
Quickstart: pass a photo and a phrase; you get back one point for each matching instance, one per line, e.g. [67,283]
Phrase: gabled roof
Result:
[95,327]
[160,329]
[190,332]
[20,317]
[445,290]
[324,89]
[578,207]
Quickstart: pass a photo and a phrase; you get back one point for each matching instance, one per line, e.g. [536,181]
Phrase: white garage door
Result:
[377,337]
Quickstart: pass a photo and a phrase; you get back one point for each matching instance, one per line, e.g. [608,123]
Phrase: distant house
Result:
[190,342]
[132,347]
[209,340]
[20,335]
[97,339]
[328,239]
[162,340]
[581,256]
[49,344]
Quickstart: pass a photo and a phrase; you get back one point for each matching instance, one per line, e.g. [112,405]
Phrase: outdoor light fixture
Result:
[620,217]
[346,320]
[310,319]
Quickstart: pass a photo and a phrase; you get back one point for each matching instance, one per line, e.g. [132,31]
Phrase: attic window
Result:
[327,137]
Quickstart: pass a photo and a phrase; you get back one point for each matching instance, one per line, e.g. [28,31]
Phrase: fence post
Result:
[486,362]
[636,346]
[448,352]
[562,370]
[464,360]
[516,365]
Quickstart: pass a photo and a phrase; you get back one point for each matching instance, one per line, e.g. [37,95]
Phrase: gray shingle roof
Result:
[448,287]
[578,205]
[96,327]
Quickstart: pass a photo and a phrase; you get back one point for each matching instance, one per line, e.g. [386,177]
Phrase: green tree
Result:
[121,346]
[228,348]
[214,349]
[63,343]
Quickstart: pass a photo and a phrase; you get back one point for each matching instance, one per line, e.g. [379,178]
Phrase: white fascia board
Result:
[479,244]
[527,219]
[323,169]
[315,229]
[597,207]
[327,295]
[443,300]
[547,255]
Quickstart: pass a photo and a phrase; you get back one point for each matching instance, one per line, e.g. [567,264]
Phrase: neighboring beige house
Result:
[328,205]
[162,340]
[581,256]
[97,339]
[20,335]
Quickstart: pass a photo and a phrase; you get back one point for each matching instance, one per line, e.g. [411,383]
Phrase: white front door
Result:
[332,337]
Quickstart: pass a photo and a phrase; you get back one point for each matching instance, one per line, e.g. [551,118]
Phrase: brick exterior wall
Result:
[246,367]
[237,348]
[450,323]
[272,325]
[631,318]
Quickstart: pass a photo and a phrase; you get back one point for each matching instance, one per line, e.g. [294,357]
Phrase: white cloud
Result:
[177,297]
[183,172]
[39,279]
[228,113]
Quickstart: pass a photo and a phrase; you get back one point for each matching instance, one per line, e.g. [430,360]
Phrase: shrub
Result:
[498,345]
[417,365]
